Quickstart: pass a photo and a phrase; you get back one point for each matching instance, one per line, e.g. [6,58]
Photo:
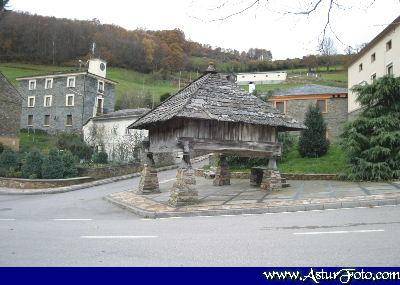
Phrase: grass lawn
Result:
[38,140]
[333,162]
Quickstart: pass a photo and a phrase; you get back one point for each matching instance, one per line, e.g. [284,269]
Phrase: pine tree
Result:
[69,161]
[313,141]
[372,140]
[53,167]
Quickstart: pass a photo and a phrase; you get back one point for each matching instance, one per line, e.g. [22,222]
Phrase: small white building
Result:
[110,133]
[270,77]
[379,57]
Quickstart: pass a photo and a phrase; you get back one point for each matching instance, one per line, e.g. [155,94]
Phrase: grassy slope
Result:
[40,141]
[128,80]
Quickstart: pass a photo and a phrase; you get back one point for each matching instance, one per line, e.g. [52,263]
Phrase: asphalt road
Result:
[80,229]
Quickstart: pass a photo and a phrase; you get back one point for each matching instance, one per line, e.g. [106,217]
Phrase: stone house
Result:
[332,102]
[378,58]
[110,133]
[10,112]
[63,102]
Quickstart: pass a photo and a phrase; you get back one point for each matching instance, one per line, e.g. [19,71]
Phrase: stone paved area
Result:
[231,199]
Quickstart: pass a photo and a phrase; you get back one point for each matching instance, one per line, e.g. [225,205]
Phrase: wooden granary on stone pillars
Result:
[215,115]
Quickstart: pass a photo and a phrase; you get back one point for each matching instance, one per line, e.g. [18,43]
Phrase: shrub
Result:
[69,162]
[100,157]
[313,141]
[53,167]
[32,165]
[1,148]
[372,141]
[164,97]
[9,160]
[245,162]
[75,144]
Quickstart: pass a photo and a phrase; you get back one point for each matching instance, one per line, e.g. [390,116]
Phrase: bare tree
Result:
[327,49]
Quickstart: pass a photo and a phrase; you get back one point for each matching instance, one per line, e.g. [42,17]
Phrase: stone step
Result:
[285,185]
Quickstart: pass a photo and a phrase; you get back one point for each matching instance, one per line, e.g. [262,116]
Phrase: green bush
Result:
[313,141]
[75,144]
[32,165]
[100,157]
[372,140]
[69,162]
[237,162]
[53,167]
[9,160]
[164,97]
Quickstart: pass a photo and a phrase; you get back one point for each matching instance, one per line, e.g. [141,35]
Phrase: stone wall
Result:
[41,183]
[110,170]
[85,94]
[335,116]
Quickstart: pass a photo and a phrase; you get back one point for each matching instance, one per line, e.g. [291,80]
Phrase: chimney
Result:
[252,87]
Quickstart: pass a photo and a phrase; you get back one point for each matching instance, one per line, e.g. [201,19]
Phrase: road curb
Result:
[75,187]
[361,201]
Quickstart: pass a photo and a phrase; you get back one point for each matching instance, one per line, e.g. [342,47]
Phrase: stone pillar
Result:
[149,180]
[271,179]
[222,174]
[184,192]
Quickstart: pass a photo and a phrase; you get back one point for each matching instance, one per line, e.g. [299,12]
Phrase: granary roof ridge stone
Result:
[212,96]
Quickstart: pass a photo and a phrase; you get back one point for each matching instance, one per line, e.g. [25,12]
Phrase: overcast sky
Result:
[266,25]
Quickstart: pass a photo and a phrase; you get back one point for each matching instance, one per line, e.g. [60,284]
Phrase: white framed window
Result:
[373,77]
[389,45]
[389,69]
[71,81]
[360,67]
[68,121]
[373,57]
[32,84]
[30,121]
[69,100]
[281,106]
[99,106]
[31,101]
[100,86]
[46,122]
[48,83]
[48,100]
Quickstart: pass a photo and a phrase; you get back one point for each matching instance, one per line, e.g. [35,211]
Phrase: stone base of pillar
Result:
[222,174]
[183,191]
[271,180]
[148,181]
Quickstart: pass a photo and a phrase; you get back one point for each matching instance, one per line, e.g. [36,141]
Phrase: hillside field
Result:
[135,84]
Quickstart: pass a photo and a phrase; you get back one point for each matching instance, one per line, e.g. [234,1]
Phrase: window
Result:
[321,104]
[30,120]
[100,86]
[71,81]
[48,84]
[47,100]
[389,45]
[69,100]
[99,106]
[373,57]
[373,77]
[360,67]
[69,120]
[280,105]
[46,120]
[389,69]
[31,101]
[32,84]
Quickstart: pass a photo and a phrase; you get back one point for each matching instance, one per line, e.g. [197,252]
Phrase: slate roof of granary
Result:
[213,97]
[311,89]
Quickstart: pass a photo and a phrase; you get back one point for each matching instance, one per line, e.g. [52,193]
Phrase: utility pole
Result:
[179,82]
[53,53]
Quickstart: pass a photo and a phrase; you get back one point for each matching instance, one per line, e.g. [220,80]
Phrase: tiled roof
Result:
[311,89]
[213,97]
